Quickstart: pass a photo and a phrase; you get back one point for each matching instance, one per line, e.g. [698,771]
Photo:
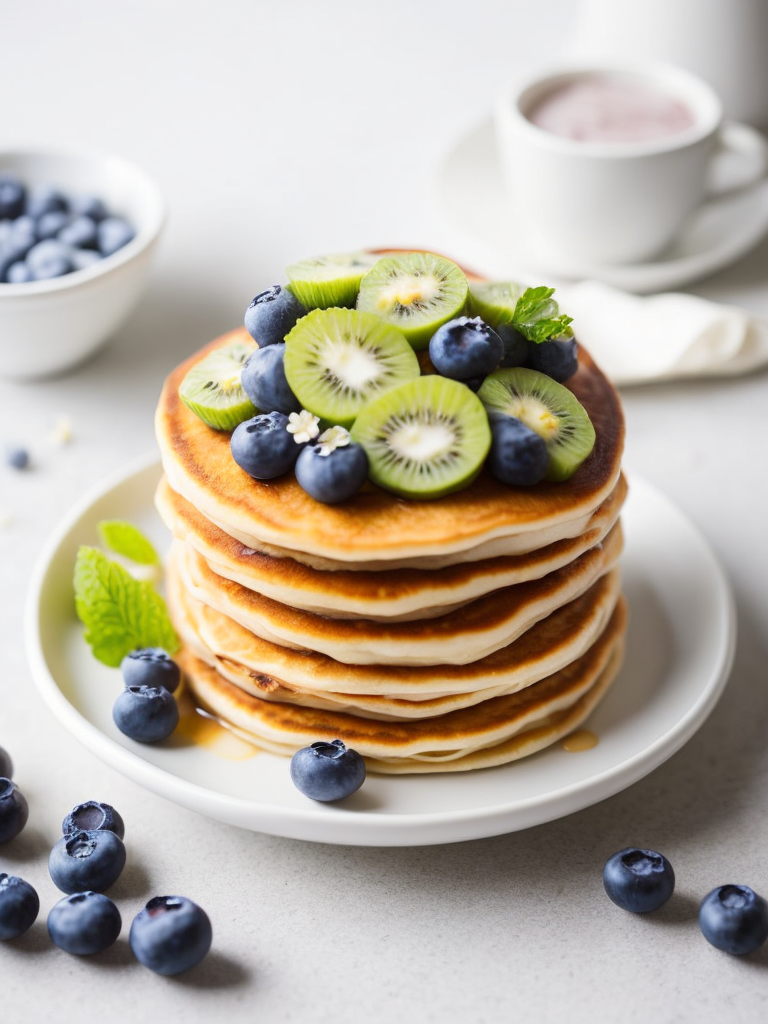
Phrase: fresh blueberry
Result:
[734,918]
[638,880]
[19,906]
[84,258]
[464,348]
[558,359]
[15,246]
[146,714]
[18,273]
[45,199]
[14,810]
[113,234]
[333,477]
[150,666]
[6,764]
[88,206]
[263,447]
[50,224]
[24,232]
[93,816]
[518,455]
[12,197]
[17,458]
[515,346]
[80,233]
[49,258]
[90,859]
[271,315]
[263,380]
[84,923]
[170,935]
[327,771]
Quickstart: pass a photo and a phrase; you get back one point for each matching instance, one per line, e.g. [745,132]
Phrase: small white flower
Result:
[62,431]
[333,438]
[303,425]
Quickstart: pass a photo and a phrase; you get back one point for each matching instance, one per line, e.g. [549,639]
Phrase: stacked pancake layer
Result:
[429,635]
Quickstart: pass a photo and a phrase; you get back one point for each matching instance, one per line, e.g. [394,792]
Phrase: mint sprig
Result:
[119,613]
[125,539]
[537,316]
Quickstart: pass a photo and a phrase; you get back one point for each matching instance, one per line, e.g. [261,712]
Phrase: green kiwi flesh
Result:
[416,292]
[337,360]
[494,301]
[424,439]
[547,407]
[212,388]
[324,281]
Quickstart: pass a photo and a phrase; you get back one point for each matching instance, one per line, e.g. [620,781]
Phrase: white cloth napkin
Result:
[637,339]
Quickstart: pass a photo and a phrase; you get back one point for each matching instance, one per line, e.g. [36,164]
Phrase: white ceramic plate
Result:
[680,648]
[472,199]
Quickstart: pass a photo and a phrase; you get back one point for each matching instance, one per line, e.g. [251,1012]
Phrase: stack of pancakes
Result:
[431,636]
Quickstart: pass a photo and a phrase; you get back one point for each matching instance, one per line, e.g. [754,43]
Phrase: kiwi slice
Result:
[212,388]
[337,360]
[415,291]
[325,281]
[494,301]
[547,407]
[425,438]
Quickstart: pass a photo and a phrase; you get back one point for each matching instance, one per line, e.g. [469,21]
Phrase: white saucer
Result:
[471,195]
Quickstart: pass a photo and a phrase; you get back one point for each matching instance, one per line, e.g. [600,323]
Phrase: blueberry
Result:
[271,315]
[263,380]
[333,477]
[113,234]
[170,935]
[80,233]
[24,232]
[84,923]
[558,359]
[464,348]
[14,810]
[515,346]
[263,447]
[638,880]
[150,666]
[90,859]
[6,764]
[734,918]
[17,458]
[146,714]
[45,199]
[12,197]
[327,771]
[93,816]
[84,258]
[50,224]
[19,906]
[18,273]
[518,455]
[49,258]
[88,206]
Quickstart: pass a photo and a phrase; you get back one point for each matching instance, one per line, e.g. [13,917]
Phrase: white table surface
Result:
[278,131]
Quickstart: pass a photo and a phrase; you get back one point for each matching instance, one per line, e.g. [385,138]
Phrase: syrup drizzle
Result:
[581,739]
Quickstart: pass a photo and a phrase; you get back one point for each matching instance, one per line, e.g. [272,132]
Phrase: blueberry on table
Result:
[559,359]
[90,859]
[19,906]
[518,456]
[93,816]
[170,935]
[263,380]
[465,348]
[734,918]
[146,714]
[150,666]
[334,476]
[271,315]
[17,458]
[263,447]
[14,810]
[6,764]
[327,771]
[84,923]
[638,880]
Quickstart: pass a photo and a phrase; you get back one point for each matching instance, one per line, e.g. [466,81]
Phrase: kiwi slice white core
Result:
[423,440]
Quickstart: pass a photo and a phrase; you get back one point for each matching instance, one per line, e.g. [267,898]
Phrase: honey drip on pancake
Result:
[582,739]
[202,729]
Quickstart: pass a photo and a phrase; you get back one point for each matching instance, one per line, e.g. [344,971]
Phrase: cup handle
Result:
[737,144]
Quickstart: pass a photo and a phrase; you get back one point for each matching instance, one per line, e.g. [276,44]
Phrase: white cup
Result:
[581,203]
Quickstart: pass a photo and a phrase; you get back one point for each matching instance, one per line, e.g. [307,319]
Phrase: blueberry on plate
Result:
[146,714]
[464,348]
[327,771]
[334,476]
[19,906]
[263,447]
[271,315]
[84,923]
[86,860]
[6,764]
[93,816]
[638,880]
[558,358]
[263,380]
[170,935]
[518,456]
[14,810]
[150,666]
[113,233]
[734,918]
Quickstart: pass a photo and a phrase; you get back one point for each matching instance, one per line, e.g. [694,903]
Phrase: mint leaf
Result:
[119,612]
[127,540]
[537,316]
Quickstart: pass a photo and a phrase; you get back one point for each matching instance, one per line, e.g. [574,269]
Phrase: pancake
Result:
[374,528]
[459,637]
[496,731]
[395,595]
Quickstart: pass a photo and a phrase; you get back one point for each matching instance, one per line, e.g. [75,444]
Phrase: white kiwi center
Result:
[408,290]
[534,414]
[354,368]
[422,442]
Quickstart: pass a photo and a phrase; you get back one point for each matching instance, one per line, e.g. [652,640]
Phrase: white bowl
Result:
[50,326]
